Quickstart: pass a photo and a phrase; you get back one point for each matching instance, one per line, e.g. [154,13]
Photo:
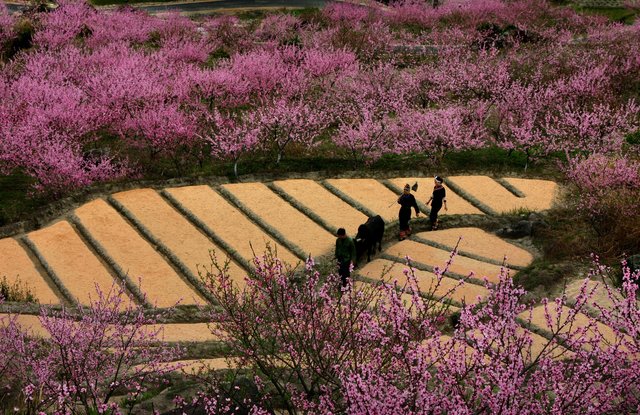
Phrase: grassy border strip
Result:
[425,267]
[302,208]
[66,294]
[463,253]
[102,253]
[511,188]
[445,301]
[174,260]
[472,200]
[271,231]
[197,222]
[348,199]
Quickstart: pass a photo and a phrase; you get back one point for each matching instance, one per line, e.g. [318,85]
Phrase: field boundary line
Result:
[464,253]
[348,199]
[425,267]
[64,291]
[472,200]
[197,284]
[203,227]
[270,230]
[101,252]
[300,207]
[511,188]
[442,300]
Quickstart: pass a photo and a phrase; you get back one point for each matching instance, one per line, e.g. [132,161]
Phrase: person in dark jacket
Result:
[406,202]
[345,254]
[438,198]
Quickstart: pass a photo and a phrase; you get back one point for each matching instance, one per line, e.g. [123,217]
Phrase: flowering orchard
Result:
[89,96]
[88,357]
[306,347]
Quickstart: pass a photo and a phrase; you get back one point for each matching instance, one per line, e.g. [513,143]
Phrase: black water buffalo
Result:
[369,233]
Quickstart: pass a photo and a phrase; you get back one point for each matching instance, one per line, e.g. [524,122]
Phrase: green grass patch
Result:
[124,2]
[17,291]
[544,278]
[615,14]
[16,200]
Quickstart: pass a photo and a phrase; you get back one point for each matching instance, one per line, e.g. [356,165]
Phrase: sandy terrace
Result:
[28,323]
[371,194]
[72,261]
[537,346]
[429,255]
[499,199]
[540,194]
[135,256]
[582,320]
[407,299]
[187,332]
[468,293]
[600,295]
[290,222]
[196,365]
[195,332]
[478,242]
[174,231]
[16,266]
[325,204]
[456,205]
[554,351]
[228,223]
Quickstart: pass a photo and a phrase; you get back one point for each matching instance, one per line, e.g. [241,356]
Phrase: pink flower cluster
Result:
[383,350]
[85,358]
[106,95]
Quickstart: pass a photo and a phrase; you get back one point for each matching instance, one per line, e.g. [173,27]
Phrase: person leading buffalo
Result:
[406,202]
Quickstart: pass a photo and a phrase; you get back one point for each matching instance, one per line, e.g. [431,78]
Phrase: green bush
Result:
[16,292]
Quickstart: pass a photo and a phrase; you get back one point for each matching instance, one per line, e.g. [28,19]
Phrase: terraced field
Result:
[155,241]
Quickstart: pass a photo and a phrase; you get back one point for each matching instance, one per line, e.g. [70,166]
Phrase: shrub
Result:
[16,291]
[319,349]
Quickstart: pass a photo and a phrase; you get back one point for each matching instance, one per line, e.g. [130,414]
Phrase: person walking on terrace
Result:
[438,198]
[345,254]
[406,202]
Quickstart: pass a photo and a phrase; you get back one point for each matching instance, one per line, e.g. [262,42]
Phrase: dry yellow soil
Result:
[194,366]
[174,231]
[280,215]
[478,242]
[371,194]
[228,223]
[30,324]
[72,261]
[194,332]
[16,266]
[539,193]
[427,281]
[405,298]
[435,257]
[538,319]
[323,203]
[455,204]
[144,266]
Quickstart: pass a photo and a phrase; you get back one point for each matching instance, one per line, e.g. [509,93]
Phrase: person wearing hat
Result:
[406,202]
[438,198]
[345,254]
